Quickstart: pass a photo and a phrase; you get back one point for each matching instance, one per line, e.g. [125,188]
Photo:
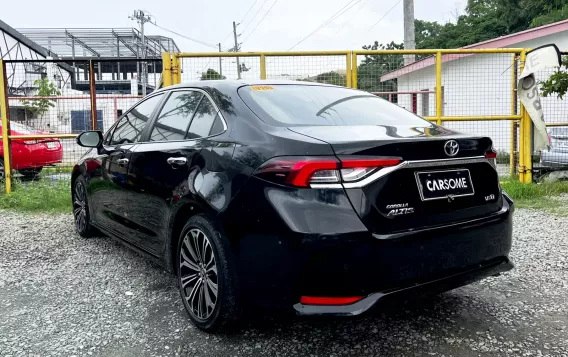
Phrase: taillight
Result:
[492,158]
[304,171]
[549,141]
[30,142]
[356,168]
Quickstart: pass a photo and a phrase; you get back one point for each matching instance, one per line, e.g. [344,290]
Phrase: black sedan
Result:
[295,195]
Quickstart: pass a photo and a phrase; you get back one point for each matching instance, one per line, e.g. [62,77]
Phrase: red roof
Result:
[499,42]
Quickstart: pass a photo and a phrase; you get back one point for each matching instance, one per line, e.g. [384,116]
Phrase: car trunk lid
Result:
[432,186]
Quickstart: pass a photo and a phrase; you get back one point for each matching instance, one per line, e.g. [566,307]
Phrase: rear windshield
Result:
[292,104]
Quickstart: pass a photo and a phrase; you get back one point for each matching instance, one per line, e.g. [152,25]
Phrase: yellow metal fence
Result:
[469,90]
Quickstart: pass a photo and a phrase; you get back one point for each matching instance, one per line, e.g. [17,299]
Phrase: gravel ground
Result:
[63,295]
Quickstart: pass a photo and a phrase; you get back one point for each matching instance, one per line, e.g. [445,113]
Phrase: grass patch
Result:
[539,196]
[55,197]
[39,196]
[57,170]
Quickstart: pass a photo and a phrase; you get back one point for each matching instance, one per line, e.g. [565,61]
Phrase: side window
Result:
[175,116]
[203,120]
[131,125]
[108,135]
[218,126]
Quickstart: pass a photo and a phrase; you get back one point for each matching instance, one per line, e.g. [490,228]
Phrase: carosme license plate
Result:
[50,145]
[435,185]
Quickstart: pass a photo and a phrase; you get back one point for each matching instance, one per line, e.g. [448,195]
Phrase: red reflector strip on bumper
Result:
[318,300]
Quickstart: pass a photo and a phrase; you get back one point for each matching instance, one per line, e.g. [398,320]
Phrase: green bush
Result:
[503,157]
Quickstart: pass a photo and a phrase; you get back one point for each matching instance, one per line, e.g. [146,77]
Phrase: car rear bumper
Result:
[404,293]
[31,156]
[277,270]
[554,158]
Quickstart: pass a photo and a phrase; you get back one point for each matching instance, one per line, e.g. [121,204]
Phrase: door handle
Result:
[122,162]
[177,161]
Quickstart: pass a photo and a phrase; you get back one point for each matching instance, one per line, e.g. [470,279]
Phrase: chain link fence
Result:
[51,101]
[477,87]
[555,109]
[471,91]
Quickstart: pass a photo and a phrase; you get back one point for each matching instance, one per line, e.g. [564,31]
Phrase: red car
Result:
[30,156]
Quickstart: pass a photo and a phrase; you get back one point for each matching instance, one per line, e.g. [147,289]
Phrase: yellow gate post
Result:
[167,69]
[176,68]
[262,66]
[512,146]
[353,69]
[348,79]
[4,113]
[439,88]
[525,147]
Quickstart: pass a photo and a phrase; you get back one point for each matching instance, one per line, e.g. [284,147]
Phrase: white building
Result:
[479,84]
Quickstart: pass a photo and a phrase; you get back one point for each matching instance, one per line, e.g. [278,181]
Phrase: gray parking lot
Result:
[63,295]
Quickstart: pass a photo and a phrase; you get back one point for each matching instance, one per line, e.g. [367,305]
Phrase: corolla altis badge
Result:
[399,209]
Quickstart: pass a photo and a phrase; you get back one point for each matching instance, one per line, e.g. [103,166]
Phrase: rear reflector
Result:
[319,300]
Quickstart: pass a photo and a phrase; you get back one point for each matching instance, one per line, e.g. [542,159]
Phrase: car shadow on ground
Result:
[447,323]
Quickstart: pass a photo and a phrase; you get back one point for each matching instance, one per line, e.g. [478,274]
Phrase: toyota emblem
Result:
[451,147]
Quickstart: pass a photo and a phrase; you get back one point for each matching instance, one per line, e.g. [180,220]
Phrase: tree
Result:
[328,78]
[373,67]
[552,15]
[38,107]
[211,74]
[487,19]
[557,83]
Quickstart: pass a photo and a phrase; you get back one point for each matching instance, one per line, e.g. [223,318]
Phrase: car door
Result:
[109,187]
[163,168]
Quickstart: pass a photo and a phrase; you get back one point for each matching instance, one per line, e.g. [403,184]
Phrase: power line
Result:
[251,20]
[186,37]
[391,9]
[250,8]
[226,37]
[240,22]
[340,12]
[250,33]
[355,13]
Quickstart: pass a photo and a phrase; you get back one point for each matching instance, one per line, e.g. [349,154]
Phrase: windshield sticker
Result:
[261,88]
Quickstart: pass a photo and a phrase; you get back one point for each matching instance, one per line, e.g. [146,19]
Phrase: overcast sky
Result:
[288,21]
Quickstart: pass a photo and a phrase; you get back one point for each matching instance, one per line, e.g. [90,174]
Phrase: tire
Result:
[81,213]
[2,171]
[199,273]
[31,174]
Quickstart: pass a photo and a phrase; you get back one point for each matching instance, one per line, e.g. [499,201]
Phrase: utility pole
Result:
[220,63]
[409,40]
[142,17]
[237,49]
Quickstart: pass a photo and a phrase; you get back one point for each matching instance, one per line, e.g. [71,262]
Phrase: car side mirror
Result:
[90,139]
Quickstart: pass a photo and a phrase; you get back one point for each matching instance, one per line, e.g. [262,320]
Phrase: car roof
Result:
[235,84]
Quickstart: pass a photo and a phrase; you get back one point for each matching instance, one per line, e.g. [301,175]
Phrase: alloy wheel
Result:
[198,274]
[80,207]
